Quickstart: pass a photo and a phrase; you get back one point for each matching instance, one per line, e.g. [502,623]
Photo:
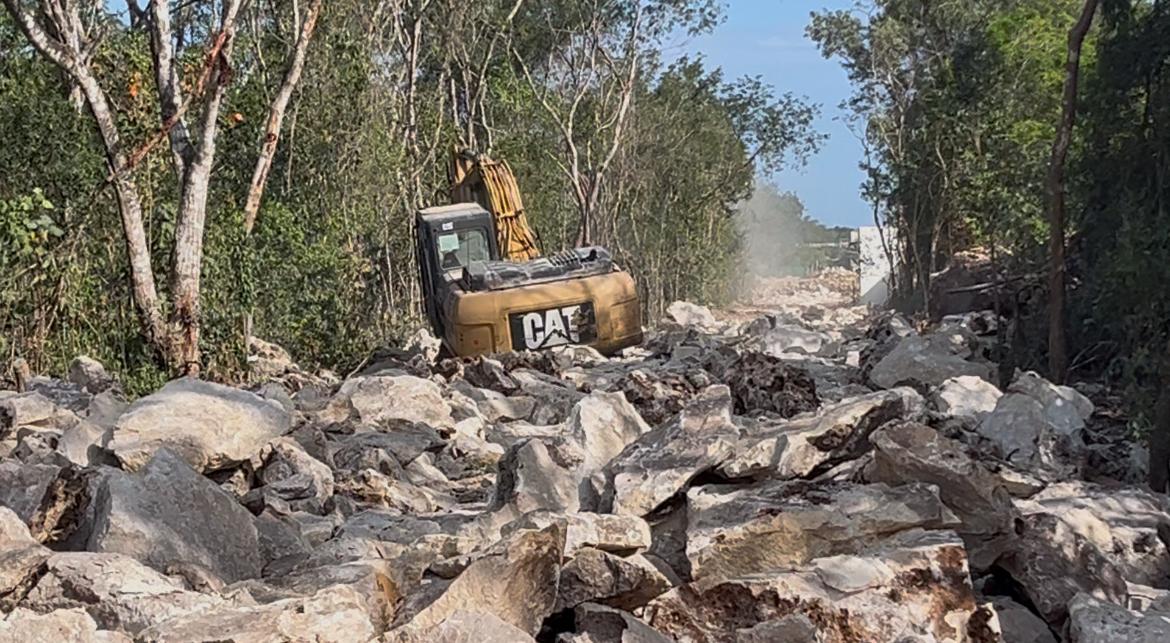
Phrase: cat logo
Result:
[552,327]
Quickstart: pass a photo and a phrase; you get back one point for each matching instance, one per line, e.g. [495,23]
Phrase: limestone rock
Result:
[911,586]
[689,315]
[911,452]
[89,374]
[463,626]
[600,624]
[928,361]
[506,409]
[285,460]
[25,409]
[23,485]
[386,398]
[384,451]
[333,615]
[768,527]
[75,626]
[603,424]
[967,397]
[1052,564]
[210,426]
[117,591]
[1038,425]
[1121,523]
[20,559]
[798,447]
[783,338]
[554,398]
[662,462]
[600,577]
[606,532]
[530,480]
[167,513]
[516,581]
[1095,621]
[1019,624]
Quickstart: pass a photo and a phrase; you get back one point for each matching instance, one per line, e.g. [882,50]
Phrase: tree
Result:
[1055,194]
[59,33]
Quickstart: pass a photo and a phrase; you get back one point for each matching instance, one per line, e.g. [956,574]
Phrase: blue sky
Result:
[766,38]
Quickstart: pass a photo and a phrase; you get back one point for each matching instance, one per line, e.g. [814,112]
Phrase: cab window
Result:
[460,247]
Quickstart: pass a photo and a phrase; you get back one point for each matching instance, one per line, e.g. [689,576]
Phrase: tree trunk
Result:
[67,53]
[1054,191]
[188,264]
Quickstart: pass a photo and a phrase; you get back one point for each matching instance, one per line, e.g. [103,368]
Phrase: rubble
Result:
[795,470]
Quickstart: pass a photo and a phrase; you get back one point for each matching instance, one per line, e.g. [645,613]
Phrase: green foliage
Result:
[328,271]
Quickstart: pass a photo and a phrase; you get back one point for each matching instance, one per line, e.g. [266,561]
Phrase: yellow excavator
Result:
[486,287]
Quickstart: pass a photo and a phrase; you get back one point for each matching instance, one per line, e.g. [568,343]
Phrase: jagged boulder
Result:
[966,397]
[1095,621]
[1038,425]
[663,461]
[1123,523]
[167,514]
[910,452]
[927,361]
[596,576]
[530,479]
[603,424]
[515,581]
[1052,564]
[377,399]
[287,465]
[605,532]
[208,425]
[74,625]
[763,528]
[799,447]
[21,558]
[689,315]
[23,485]
[117,591]
[90,374]
[910,586]
[779,339]
[333,615]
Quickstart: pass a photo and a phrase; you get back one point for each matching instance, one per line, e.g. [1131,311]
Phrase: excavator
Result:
[487,288]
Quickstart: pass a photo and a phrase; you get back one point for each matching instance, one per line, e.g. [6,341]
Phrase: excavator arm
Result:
[476,178]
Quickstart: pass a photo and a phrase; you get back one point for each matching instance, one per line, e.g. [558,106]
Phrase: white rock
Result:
[210,426]
[966,397]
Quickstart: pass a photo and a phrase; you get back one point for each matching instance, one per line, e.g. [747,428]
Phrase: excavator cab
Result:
[449,238]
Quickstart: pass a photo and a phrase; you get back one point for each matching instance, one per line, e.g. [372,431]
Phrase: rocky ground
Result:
[794,470]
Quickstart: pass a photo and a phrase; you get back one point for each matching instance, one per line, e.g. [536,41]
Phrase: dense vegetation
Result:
[959,104]
[610,142]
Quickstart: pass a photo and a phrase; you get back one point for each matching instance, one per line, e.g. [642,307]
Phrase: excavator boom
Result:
[476,178]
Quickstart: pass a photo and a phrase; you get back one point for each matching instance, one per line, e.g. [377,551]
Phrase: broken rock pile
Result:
[808,476]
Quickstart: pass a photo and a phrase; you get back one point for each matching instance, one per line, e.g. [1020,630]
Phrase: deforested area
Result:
[573,322]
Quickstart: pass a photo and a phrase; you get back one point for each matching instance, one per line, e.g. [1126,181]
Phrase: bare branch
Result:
[276,116]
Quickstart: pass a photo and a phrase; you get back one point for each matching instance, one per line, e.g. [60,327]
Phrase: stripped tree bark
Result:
[58,33]
[68,49]
[1055,194]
